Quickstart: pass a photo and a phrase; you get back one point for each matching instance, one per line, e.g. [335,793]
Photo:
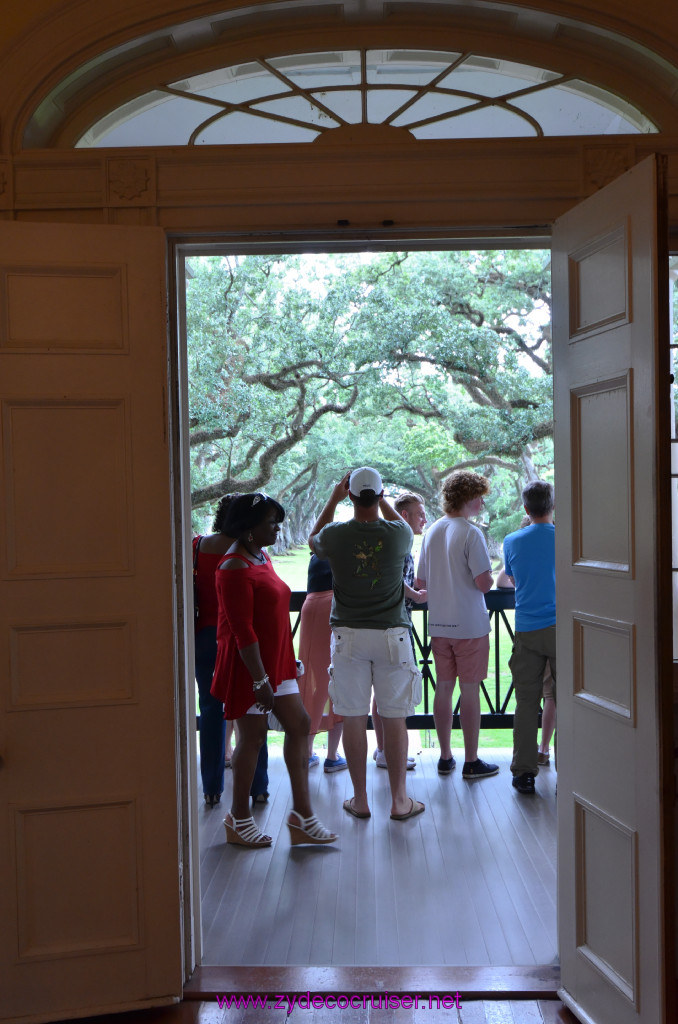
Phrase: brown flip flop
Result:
[348,806]
[417,808]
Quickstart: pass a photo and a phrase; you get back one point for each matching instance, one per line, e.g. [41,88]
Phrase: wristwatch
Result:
[259,684]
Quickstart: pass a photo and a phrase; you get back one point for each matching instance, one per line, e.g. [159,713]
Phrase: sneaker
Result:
[313,761]
[335,765]
[478,769]
[445,765]
[543,758]
[380,758]
[524,783]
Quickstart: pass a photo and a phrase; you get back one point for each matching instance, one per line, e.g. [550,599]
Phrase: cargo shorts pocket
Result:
[341,645]
[399,646]
[417,688]
[341,642]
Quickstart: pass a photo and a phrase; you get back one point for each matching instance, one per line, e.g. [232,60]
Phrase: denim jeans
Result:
[212,725]
[260,780]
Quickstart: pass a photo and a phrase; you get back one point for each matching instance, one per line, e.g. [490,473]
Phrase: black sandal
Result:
[212,799]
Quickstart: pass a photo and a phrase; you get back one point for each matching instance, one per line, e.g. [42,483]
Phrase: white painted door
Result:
[89,854]
[612,388]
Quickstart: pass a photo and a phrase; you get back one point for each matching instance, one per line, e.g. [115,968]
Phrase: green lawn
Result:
[292,567]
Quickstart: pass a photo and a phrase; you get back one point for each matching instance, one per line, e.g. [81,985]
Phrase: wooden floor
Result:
[472,881]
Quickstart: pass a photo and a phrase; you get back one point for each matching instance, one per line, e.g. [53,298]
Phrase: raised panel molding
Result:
[37,304]
[600,287]
[54,183]
[91,665]
[606,898]
[73,457]
[604,665]
[601,429]
[78,879]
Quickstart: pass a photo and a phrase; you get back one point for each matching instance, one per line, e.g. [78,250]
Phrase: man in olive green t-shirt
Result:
[370,631]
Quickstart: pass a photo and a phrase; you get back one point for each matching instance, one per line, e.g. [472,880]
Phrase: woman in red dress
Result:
[256,671]
[208,553]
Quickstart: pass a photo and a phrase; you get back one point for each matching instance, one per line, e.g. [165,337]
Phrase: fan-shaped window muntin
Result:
[297,98]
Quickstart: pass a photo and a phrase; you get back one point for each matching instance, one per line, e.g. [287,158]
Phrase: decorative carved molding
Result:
[467,188]
[602,164]
[131,182]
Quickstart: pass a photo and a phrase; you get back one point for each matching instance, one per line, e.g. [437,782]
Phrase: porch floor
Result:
[472,881]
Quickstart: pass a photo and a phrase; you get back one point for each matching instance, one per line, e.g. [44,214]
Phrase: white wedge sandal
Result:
[309,831]
[245,832]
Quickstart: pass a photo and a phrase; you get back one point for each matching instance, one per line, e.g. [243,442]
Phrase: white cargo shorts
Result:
[373,659]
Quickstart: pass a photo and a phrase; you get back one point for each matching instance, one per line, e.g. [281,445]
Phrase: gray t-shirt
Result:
[453,553]
[367,566]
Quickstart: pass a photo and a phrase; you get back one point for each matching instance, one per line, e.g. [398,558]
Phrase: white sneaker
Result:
[380,758]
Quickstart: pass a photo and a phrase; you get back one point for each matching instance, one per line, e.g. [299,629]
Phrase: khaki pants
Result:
[531,651]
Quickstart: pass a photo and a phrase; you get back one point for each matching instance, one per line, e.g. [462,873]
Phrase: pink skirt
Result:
[314,651]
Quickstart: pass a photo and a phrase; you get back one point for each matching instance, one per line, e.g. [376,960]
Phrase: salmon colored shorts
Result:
[467,659]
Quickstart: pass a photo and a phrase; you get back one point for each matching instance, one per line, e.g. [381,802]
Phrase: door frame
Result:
[184,655]
[474,982]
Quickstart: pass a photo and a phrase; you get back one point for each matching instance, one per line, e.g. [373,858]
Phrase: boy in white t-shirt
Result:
[454,566]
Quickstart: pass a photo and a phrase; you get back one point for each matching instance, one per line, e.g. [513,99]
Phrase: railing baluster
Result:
[497,661]
[498,602]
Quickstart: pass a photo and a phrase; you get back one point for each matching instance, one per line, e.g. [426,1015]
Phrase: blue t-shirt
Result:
[530,558]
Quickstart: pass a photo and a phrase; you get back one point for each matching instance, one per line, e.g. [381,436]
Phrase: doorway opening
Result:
[416,360]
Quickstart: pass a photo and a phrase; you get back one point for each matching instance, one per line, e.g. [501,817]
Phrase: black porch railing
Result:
[497,689]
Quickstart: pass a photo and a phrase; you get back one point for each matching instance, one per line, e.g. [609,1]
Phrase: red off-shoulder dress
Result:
[254,606]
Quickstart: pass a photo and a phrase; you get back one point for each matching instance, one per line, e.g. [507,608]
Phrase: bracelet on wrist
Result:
[259,684]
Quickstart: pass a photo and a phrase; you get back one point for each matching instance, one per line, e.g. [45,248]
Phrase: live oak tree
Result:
[256,387]
[418,363]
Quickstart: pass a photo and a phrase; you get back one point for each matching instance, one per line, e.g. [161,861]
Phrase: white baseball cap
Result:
[364,479]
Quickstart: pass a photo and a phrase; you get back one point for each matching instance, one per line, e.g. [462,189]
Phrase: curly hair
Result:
[222,511]
[408,498]
[461,487]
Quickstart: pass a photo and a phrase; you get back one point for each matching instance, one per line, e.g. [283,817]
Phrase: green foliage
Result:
[303,366]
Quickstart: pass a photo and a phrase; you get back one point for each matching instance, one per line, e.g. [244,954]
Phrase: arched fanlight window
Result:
[304,97]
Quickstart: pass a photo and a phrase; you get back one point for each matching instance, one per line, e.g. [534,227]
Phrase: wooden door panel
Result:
[88,795]
[602,482]
[611,385]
